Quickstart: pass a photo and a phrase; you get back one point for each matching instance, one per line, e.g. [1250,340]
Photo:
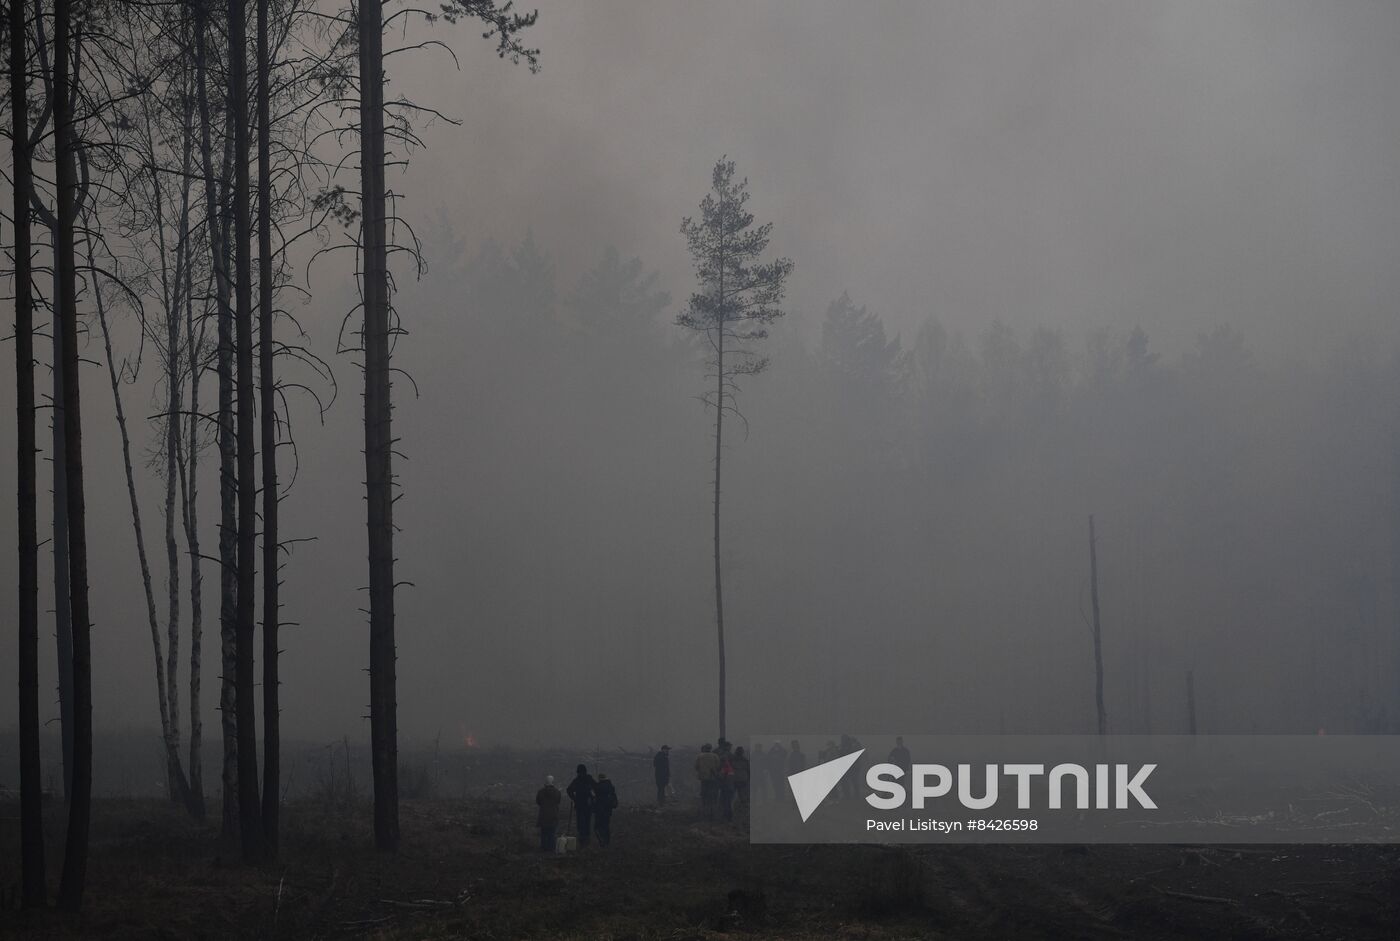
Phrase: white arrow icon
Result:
[810,787]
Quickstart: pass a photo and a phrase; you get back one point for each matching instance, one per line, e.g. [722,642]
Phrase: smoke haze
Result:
[1012,190]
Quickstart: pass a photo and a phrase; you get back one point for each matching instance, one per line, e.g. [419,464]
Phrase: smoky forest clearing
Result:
[444,440]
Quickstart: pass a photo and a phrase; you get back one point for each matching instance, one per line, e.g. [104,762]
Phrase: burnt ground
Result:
[467,870]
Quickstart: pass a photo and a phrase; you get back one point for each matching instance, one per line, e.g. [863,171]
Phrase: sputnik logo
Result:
[810,787]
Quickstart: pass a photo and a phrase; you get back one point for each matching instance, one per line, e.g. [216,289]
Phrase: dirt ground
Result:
[467,870]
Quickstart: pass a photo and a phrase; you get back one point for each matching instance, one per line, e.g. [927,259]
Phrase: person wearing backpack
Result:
[604,803]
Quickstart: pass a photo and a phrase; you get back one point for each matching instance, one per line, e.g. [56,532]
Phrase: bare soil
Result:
[468,869]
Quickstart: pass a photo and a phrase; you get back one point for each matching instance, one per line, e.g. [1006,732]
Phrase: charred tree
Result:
[34,881]
[63,615]
[188,360]
[174,324]
[228,536]
[249,806]
[268,392]
[189,495]
[383,704]
[62,595]
[737,301]
[376,336]
[215,196]
[70,893]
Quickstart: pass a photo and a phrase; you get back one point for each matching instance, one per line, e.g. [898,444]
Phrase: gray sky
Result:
[1174,165]
[1168,164]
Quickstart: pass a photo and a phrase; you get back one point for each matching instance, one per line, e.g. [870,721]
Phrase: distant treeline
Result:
[907,546]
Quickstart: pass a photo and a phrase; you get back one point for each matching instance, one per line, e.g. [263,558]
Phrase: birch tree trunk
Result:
[167,663]
[175,776]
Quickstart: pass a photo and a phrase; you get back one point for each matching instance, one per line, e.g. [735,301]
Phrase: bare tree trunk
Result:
[70,893]
[172,557]
[1098,634]
[35,890]
[249,806]
[228,546]
[215,189]
[63,616]
[379,481]
[186,439]
[228,568]
[179,311]
[62,598]
[720,392]
[167,692]
[174,395]
[175,775]
[719,445]
[721,253]
[189,499]
[268,391]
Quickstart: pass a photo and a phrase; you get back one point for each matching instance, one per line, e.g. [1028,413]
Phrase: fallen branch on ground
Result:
[1191,897]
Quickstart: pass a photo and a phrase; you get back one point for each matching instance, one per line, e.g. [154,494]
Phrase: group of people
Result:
[593,804]
[726,775]
[772,766]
